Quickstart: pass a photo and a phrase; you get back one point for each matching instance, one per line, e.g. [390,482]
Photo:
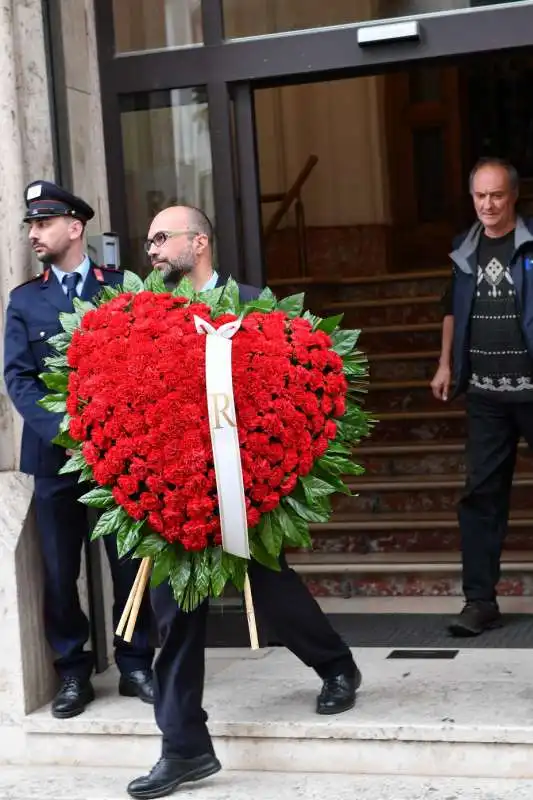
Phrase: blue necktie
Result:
[71,281]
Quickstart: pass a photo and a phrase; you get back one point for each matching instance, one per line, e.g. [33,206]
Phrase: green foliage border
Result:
[197,575]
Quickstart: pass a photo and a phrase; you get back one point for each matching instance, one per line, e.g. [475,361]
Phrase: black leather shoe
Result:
[170,772]
[72,698]
[338,693]
[139,684]
[476,617]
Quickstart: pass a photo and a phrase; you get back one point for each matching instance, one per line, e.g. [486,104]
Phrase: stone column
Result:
[85,127]
[26,153]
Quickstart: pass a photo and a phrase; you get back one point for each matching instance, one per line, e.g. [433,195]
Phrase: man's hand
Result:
[440,385]
[70,453]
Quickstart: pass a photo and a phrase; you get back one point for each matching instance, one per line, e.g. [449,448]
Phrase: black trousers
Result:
[494,428]
[63,526]
[282,601]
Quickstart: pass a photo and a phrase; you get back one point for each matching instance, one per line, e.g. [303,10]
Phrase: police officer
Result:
[180,243]
[56,221]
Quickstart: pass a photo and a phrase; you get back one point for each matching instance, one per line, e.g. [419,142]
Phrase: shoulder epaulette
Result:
[35,278]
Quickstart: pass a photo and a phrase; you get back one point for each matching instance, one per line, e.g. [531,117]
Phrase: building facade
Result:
[326,140]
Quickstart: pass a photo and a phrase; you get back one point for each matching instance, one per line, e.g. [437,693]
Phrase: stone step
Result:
[408,284]
[467,715]
[408,395]
[425,521]
[414,365]
[82,783]
[388,311]
[319,563]
[432,457]
[412,532]
[420,493]
[422,426]
[388,338]
[404,574]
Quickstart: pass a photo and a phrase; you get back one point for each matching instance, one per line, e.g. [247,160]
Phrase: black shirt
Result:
[499,362]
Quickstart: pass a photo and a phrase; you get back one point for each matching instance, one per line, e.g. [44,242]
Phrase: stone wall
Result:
[26,152]
[85,128]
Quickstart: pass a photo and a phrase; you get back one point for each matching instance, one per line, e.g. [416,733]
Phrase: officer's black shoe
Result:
[139,684]
[72,698]
[338,693]
[477,616]
[170,772]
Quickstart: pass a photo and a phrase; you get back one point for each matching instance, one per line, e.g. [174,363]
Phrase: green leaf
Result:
[56,381]
[335,481]
[271,534]
[184,289]
[202,572]
[311,513]
[64,439]
[132,282]
[180,575]
[236,568]
[344,341]
[101,497]
[60,342]
[86,475]
[268,294]
[155,283]
[257,305]
[219,574]
[69,322]
[82,307]
[56,403]
[164,562]
[295,529]
[329,324]
[229,302]
[313,320]
[107,293]
[74,464]
[211,298]
[151,545]
[338,447]
[293,305]
[339,465]
[64,425]
[129,536]
[260,554]
[56,362]
[315,488]
[110,522]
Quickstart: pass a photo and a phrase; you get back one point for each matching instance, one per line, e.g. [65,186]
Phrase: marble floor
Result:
[470,716]
[84,784]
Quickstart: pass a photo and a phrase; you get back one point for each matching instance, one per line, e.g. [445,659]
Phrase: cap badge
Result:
[34,192]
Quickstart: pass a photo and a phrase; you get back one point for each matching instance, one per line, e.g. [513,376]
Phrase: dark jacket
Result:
[246,292]
[460,296]
[32,318]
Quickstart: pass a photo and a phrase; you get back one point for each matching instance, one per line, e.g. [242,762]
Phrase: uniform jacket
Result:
[460,296]
[32,319]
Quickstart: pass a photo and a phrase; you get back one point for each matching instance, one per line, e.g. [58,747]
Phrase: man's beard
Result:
[173,270]
[47,258]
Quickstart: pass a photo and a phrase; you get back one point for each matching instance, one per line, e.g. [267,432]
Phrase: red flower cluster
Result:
[137,399]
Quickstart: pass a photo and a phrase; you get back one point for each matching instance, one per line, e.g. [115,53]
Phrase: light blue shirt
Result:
[211,283]
[82,270]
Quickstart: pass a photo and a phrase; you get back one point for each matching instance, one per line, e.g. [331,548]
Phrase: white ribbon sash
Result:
[224,435]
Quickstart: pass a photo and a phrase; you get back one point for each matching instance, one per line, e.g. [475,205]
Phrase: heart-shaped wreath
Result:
[129,376]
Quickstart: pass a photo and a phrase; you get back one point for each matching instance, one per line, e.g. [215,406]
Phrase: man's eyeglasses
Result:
[159,238]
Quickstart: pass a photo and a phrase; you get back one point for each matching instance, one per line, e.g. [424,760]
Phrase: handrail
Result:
[290,196]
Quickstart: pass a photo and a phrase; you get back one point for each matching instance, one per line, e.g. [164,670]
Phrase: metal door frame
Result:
[231,69]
